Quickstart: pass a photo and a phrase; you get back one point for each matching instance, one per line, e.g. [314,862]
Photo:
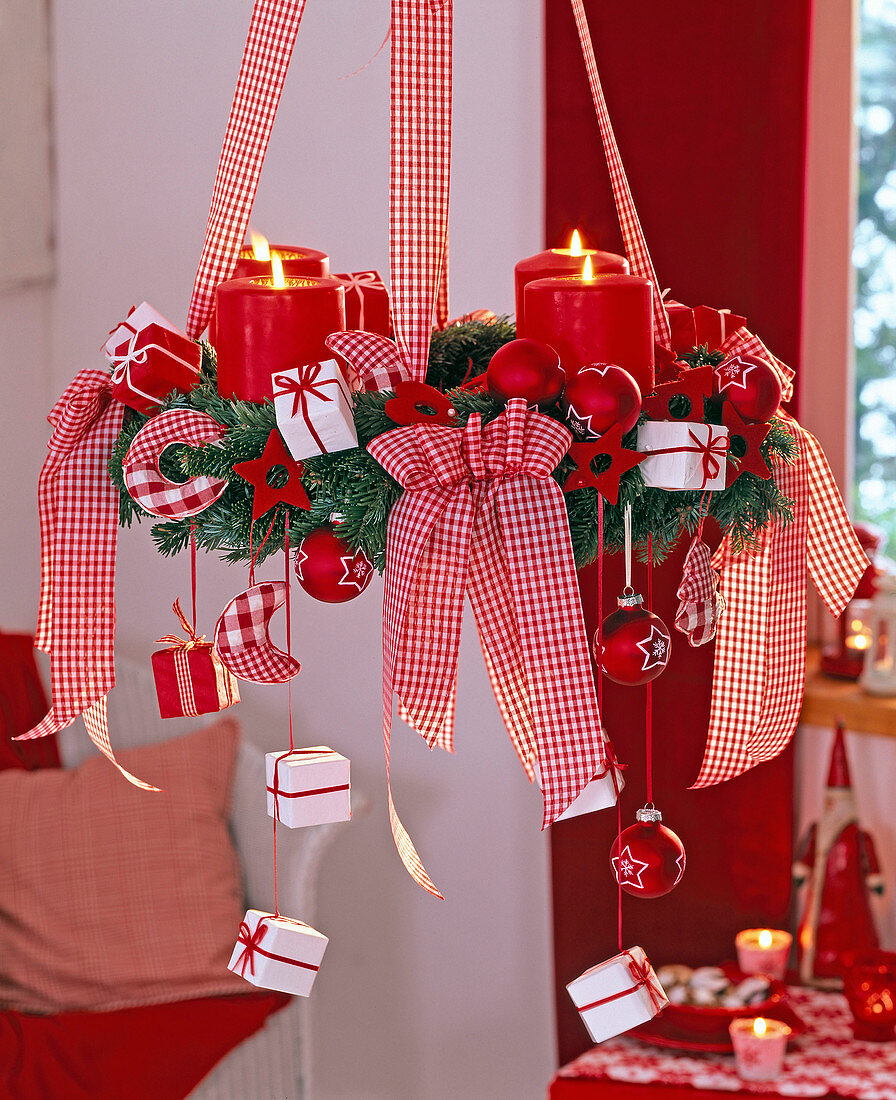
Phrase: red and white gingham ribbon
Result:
[632,233]
[78,509]
[272,34]
[481,515]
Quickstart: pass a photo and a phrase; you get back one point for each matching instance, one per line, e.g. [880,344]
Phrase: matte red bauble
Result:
[636,643]
[527,369]
[648,859]
[751,385]
[329,570]
[598,398]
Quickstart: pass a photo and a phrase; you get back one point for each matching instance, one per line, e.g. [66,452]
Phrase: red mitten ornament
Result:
[329,570]
[636,643]
[599,397]
[700,603]
[527,369]
[751,385]
[648,859]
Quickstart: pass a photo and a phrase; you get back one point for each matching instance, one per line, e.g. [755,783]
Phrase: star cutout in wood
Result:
[694,383]
[256,471]
[606,482]
[752,434]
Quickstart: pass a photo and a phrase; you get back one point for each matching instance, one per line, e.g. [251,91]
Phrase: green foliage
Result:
[352,484]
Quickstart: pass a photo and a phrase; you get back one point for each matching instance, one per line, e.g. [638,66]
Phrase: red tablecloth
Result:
[824,1062]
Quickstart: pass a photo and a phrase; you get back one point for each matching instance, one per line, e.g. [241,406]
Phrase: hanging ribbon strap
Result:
[632,233]
[272,34]
[78,509]
[482,514]
[192,638]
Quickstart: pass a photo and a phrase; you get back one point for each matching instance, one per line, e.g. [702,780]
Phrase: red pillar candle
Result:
[559,261]
[262,328]
[605,319]
[297,261]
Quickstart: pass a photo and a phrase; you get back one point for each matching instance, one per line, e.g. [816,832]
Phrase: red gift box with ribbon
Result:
[692,328]
[366,302]
[190,678]
[150,358]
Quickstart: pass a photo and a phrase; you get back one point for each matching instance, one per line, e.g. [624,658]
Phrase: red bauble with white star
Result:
[633,645]
[648,859]
[751,385]
[329,570]
[598,398]
[527,369]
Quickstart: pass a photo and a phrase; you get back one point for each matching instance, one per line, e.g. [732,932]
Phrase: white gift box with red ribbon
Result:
[313,404]
[308,786]
[683,454]
[276,952]
[617,995]
[600,794]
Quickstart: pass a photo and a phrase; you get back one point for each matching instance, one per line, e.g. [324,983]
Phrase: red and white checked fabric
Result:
[374,358]
[419,172]
[700,604]
[78,509]
[632,233]
[149,487]
[242,640]
[272,34]
[760,650]
[481,515]
[827,1061]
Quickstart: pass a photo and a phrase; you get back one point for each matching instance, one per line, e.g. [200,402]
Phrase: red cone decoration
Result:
[751,385]
[636,643]
[329,570]
[598,398]
[648,859]
[527,369]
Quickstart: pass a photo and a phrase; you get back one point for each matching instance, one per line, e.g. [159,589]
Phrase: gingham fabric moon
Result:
[242,640]
[78,509]
[700,604]
[272,34]
[145,482]
[373,358]
[481,515]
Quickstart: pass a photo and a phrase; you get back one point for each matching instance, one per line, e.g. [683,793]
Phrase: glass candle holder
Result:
[869,985]
[759,1047]
[763,951]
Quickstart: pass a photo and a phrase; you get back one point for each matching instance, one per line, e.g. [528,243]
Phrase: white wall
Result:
[418,998]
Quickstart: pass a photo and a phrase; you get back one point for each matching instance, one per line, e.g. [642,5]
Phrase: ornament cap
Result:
[629,598]
[649,813]
[838,774]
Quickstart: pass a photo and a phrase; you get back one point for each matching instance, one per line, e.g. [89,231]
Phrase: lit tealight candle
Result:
[763,951]
[759,1047]
[559,261]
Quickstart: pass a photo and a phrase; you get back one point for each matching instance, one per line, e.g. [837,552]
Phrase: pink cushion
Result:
[112,896]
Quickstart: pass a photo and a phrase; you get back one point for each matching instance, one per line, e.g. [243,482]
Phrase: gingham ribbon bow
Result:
[192,639]
[482,516]
[121,362]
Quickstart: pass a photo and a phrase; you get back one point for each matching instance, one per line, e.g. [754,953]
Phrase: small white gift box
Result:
[278,953]
[599,794]
[694,456]
[308,786]
[314,409]
[618,994]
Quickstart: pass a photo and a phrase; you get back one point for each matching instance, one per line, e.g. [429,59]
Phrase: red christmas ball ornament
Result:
[329,570]
[751,385]
[633,645]
[648,859]
[527,369]
[598,398]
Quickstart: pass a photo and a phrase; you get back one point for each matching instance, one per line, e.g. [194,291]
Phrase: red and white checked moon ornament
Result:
[700,604]
[242,638]
[481,516]
[149,487]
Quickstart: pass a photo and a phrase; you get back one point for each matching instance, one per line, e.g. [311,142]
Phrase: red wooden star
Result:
[256,471]
[665,367]
[606,482]
[752,435]
[694,383]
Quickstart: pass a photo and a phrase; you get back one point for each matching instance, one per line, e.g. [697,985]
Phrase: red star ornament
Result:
[606,482]
[665,367]
[256,471]
[694,383]
[752,434]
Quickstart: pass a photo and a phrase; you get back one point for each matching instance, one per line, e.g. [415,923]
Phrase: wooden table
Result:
[825,700]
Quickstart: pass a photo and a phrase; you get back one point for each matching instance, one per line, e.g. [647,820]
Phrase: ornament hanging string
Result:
[276,814]
[627,527]
[648,701]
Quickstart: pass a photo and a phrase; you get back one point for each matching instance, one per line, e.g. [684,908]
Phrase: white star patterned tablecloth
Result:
[824,1061]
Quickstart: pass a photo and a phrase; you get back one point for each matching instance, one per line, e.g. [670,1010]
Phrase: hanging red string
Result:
[648,705]
[193,569]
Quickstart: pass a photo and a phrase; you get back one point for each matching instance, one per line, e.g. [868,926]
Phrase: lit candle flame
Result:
[575,244]
[277,271]
[759,1026]
[587,273]
[765,938]
[260,248]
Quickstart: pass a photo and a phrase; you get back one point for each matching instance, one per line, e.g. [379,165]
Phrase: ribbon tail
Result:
[96,721]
